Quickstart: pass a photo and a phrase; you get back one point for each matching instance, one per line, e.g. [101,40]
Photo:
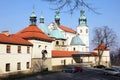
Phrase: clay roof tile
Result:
[13,39]
[33,32]
[66,29]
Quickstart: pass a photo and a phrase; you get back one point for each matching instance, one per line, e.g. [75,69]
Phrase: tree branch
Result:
[71,5]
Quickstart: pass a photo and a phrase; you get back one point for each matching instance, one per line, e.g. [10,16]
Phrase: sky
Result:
[14,15]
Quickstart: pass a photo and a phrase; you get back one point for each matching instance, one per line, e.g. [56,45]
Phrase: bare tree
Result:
[103,35]
[71,5]
[115,57]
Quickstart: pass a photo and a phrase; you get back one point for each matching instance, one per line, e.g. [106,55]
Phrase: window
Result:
[62,61]
[82,49]
[39,46]
[80,31]
[71,61]
[8,48]
[57,42]
[18,66]
[62,43]
[28,65]
[28,49]
[8,67]
[86,30]
[19,49]
[73,49]
[45,47]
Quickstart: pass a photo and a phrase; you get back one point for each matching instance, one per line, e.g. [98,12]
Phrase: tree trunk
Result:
[99,60]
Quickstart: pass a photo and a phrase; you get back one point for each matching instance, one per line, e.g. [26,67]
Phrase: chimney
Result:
[5,33]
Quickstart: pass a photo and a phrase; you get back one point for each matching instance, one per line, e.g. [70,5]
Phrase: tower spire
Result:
[82,19]
[41,18]
[57,17]
[33,18]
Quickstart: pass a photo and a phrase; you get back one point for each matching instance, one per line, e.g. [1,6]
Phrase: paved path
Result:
[87,74]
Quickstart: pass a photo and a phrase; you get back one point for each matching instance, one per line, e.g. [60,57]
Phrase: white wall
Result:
[105,53]
[38,46]
[84,36]
[68,36]
[105,58]
[13,58]
[60,61]
[77,48]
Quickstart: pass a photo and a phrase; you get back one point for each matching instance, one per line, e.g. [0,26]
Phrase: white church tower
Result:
[83,30]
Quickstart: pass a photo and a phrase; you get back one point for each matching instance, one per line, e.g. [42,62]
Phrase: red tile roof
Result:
[87,54]
[101,47]
[56,53]
[33,32]
[66,29]
[13,39]
[93,53]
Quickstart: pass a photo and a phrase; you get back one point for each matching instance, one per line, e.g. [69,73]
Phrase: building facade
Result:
[15,54]
[51,47]
[42,45]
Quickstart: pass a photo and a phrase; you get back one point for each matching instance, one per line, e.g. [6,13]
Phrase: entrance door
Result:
[64,62]
[81,60]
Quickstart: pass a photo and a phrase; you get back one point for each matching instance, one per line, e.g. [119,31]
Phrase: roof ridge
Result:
[67,29]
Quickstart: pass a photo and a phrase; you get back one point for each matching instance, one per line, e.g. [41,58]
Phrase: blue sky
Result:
[14,14]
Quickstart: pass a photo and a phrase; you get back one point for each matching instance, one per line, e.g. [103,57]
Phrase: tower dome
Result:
[56,34]
[77,41]
[43,26]
[33,14]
